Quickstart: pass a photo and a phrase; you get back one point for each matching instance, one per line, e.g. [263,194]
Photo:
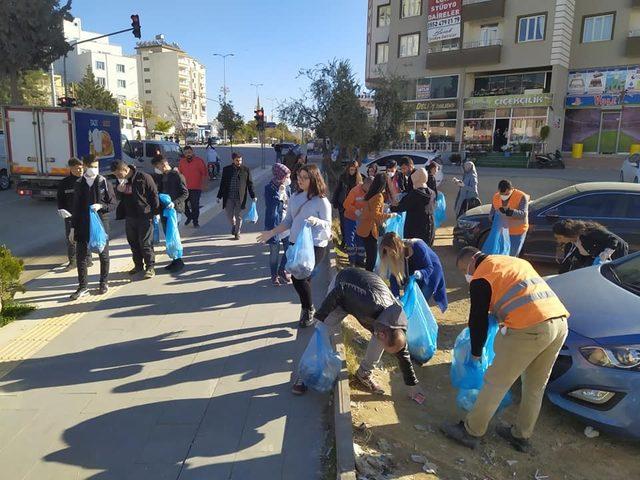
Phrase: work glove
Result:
[158,218]
[64,213]
[171,205]
[96,207]
[255,200]
[605,255]
[417,275]
[508,212]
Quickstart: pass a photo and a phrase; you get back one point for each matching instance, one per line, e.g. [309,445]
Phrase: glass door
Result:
[609,132]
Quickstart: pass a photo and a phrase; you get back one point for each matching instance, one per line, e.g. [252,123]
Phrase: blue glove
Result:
[417,275]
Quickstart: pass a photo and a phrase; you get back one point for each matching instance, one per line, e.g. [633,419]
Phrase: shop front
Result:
[434,121]
[603,110]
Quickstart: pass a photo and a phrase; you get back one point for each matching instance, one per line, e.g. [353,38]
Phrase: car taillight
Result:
[24,192]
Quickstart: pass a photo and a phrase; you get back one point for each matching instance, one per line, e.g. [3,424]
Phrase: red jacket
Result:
[194,171]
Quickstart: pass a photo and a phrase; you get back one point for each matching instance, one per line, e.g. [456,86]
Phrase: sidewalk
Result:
[182,376]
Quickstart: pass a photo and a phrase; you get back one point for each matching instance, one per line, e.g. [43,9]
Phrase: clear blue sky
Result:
[271,39]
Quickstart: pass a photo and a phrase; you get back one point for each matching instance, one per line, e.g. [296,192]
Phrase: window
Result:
[531,29]
[598,28]
[153,150]
[605,205]
[122,84]
[147,69]
[411,8]
[147,91]
[101,81]
[382,53]
[384,15]
[145,58]
[147,80]
[99,65]
[448,45]
[119,68]
[444,87]
[409,45]
[489,35]
[149,102]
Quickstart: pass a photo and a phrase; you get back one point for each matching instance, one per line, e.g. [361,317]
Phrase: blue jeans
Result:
[355,246]
[277,268]
[517,241]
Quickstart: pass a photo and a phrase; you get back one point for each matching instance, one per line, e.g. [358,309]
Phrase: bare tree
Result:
[174,109]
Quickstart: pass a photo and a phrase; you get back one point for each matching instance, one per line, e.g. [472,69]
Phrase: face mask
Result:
[468,277]
[287,182]
[122,181]
[390,174]
[91,172]
[505,197]
[158,171]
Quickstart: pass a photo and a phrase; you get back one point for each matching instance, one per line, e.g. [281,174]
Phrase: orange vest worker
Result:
[517,225]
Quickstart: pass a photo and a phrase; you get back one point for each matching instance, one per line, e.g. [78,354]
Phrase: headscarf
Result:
[280,173]
[419,178]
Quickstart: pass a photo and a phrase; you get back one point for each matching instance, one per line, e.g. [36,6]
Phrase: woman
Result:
[308,206]
[582,242]
[468,197]
[401,259]
[419,204]
[432,170]
[353,206]
[276,194]
[372,171]
[300,161]
[349,179]
[394,183]
[372,218]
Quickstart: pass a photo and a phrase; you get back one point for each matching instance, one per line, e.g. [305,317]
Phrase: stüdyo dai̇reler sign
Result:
[443,20]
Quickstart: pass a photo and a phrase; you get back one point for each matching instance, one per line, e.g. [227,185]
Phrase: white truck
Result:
[40,141]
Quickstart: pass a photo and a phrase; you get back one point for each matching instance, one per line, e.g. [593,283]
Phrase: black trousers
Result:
[83,255]
[192,206]
[342,229]
[71,245]
[140,237]
[431,226]
[303,285]
[371,251]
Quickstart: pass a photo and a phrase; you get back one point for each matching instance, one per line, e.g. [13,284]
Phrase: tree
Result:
[230,120]
[181,129]
[391,112]
[33,87]
[163,126]
[32,37]
[90,94]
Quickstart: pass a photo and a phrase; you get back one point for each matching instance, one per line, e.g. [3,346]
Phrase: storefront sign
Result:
[423,91]
[506,101]
[608,87]
[436,105]
[443,21]
[577,101]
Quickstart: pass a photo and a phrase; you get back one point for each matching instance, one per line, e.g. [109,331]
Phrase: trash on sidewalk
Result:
[511,463]
[539,476]
[419,459]
[420,428]
[591,432]
[371,464]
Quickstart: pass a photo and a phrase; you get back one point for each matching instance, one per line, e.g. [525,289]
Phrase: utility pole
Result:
[54,99]
[260,123]
[224,82]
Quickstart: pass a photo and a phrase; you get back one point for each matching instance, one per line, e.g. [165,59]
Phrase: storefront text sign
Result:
[436,105]
[443,21]
[423,91]
[577,101]
[506,101]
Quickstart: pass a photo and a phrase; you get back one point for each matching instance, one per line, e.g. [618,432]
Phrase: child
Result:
[276,194]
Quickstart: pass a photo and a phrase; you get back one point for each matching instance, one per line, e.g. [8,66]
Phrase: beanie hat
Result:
[419,178]
[280,172]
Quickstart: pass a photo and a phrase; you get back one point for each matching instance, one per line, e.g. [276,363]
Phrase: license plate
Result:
[48,193]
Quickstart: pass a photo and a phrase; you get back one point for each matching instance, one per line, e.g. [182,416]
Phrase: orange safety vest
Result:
[520,298]
[517,226]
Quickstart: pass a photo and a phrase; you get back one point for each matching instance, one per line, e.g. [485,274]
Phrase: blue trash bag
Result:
[396,224]
[301,259]
[422,332]
[440,213]
[98,237]
[172,234]
[466,399]
[320,364]
[252,215]
[498,241]
[156,231]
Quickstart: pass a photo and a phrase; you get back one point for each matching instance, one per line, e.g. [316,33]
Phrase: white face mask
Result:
[91,172]
[468,277]
[158,171]
[505,197]
[287,181]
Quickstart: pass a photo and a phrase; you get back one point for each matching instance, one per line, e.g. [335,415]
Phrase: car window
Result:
[634,158]
[627,273]
[633,206]
[552,198]
[382,162]
[419,160]
[136,148]
[595,205]
[152,149]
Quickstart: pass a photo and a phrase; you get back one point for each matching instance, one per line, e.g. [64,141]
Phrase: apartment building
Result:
[168,76]
[491,72]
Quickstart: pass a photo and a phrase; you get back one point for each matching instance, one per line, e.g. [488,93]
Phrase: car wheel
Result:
[622,176]
[5,182]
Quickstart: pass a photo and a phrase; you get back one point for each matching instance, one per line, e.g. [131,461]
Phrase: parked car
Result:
[630,170]
[286,146]
[420,159]
[5,180]
[597,374]
[143,151]
[615,205]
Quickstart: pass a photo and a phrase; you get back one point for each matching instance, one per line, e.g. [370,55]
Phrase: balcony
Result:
[481,9]
[632,47]
[471,53]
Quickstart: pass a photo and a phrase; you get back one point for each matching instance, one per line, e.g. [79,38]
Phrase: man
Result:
[171,182]
[66,189]
[534,328]
[235,184]
[94,192]
[195,173]
[213,162]
[513,205]
[365,296]
[407,168]
[138,205]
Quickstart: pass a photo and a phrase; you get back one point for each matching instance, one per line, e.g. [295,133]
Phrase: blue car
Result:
[597,374]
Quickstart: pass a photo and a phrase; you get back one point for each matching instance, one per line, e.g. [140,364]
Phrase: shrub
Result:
[10,269]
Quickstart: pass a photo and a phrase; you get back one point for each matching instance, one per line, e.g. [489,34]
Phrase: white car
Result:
[630,171]
[420,159]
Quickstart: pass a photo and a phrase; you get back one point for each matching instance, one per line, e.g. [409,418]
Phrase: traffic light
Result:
[259,118]
[135,23]
[67,102]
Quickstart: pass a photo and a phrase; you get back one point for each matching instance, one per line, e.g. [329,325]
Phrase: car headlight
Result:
[625,357]
[467,224]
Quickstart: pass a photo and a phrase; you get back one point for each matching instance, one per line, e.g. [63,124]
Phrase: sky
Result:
[271,39]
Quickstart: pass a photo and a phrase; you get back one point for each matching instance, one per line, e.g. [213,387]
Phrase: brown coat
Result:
[372,217]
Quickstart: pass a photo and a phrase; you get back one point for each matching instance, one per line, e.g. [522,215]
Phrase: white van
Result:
[143,151]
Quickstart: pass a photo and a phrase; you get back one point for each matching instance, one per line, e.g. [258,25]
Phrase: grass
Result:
[13,311]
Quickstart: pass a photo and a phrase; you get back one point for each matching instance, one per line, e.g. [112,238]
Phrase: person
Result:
[349,179]
[419,204]
[66,189]
[138,205]
[195,173]
[432,169]
[365,296]
[407,168]
[467,197]
[497,140]
[401,259]
[94,192]
[172,182]
[534,328]
[308,206]
[213,162]
[235,186]
[353,207]
[394,183]
[513,205]
[372,170]
[299,162]
[582,242]
[276,198]
[372,218]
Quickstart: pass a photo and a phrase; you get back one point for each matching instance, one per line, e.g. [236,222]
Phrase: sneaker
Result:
[135,270]
[178,265]
[285,277]
[520,444]
[70,266]
[79,293]
[196,225]
[275,280]
[104,288]
[237,236]
[306,318]
[299,388]
[233,231]
[149,273]
[188,221]
[458,433]
[369,383]
[171,266]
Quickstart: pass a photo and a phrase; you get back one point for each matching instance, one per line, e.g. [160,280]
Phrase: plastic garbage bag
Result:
[498,241]
[422,332]
[173,242]
[252,215]
[156,231]
[396,224]
[440,212]
[301,259]
[320,364]
[98,237]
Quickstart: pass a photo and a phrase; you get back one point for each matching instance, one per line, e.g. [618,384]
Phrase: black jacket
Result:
[432,184]
[141,198]
[419,204]
[365,296]
[594,241]
[65,193]
[245,184]
[173,184]
[344,186]
[83,197]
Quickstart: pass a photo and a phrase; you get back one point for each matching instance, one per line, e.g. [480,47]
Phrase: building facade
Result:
[170,81]
[491,73]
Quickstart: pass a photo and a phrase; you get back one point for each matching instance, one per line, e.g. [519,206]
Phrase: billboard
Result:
[98,133]
[443,20]
[607,87]
[505,101]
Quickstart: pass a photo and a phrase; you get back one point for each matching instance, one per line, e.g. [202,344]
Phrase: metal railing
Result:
[465,46]
[471,2]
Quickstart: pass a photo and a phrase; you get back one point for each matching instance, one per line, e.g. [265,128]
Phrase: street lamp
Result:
[257,85]
[224,72]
